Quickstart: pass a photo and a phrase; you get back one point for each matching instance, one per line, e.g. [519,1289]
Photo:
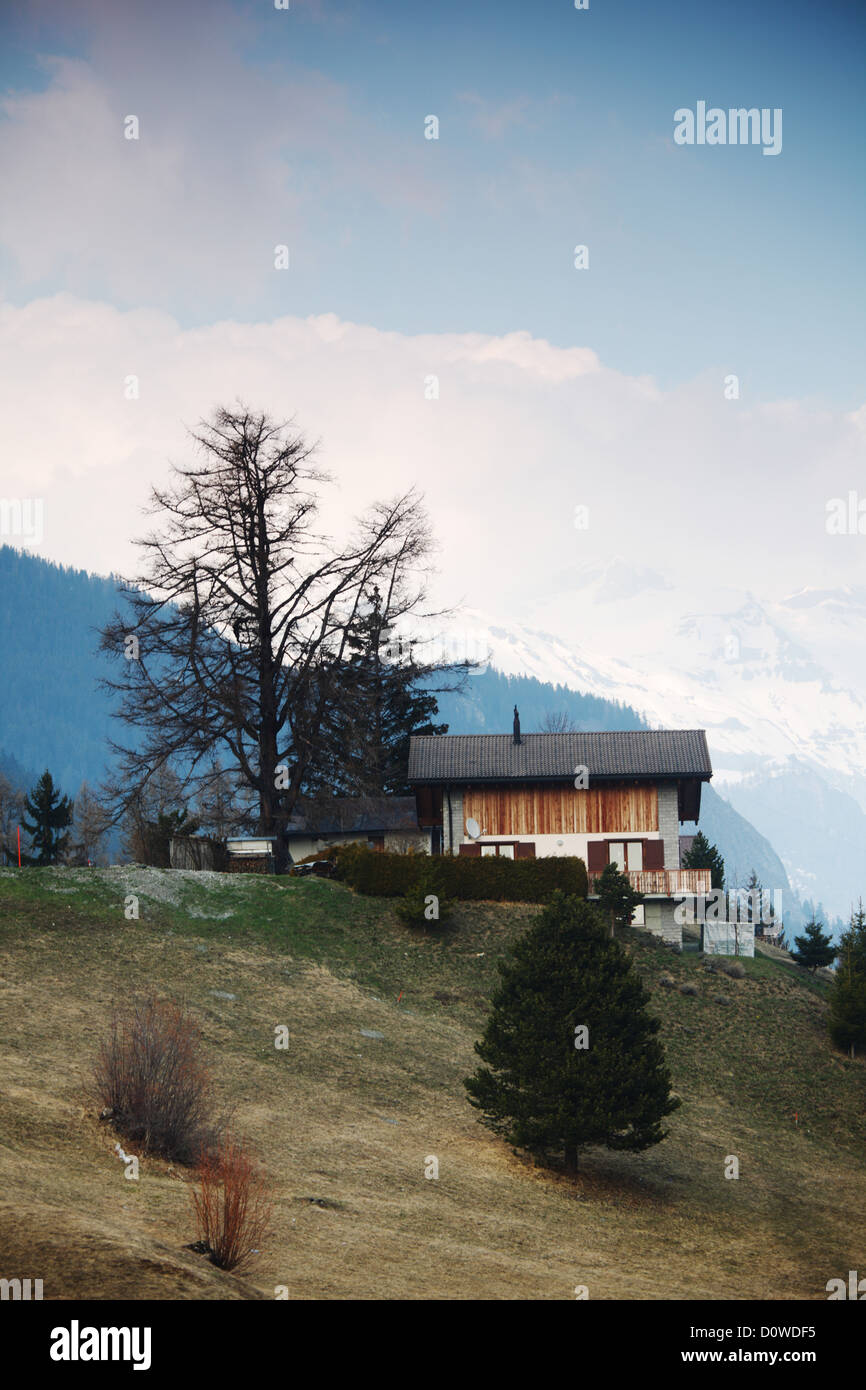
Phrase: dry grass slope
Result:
[343,1122]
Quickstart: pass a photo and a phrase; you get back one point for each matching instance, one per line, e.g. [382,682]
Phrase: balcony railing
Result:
[667,883]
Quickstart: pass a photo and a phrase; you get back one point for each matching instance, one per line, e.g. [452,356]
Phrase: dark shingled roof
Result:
[649,753]
[356,814]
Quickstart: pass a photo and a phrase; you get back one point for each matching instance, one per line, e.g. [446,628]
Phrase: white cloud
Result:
[232,160]
[688,488]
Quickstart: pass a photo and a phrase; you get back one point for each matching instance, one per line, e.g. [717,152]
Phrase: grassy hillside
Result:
[343,1122]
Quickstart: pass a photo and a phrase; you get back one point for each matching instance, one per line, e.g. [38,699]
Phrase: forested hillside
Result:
[53,714]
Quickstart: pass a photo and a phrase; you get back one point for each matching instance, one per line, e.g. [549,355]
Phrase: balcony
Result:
[669,883]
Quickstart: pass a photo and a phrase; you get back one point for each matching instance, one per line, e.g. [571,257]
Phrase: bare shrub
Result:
[232,1205]
[688,989]
[735,970]
[150,1075]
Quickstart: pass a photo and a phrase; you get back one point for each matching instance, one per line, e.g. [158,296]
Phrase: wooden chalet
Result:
[606,797]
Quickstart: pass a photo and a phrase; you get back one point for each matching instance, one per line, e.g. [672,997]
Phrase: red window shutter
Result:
[470,851]
[597,856]
[653,854]
[524,849]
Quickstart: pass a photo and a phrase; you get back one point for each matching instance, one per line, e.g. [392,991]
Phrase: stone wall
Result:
[669,823]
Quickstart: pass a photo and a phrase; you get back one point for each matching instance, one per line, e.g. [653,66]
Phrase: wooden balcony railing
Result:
[671,881]
[668,882]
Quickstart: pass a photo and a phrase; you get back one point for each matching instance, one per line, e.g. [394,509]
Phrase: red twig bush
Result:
[232,1204]
[151,1076]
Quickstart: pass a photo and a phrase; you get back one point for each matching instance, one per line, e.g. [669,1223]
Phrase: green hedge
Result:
[488,878]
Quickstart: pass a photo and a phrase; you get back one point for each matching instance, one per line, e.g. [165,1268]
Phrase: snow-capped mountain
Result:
[776,684]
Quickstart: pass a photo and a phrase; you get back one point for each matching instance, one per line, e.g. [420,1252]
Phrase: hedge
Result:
[490,878]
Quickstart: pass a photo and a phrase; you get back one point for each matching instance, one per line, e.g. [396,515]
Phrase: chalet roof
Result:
[360,814]
[642,753]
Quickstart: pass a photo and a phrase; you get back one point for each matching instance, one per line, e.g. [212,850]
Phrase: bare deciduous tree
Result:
[558,722]
[90,825]
[11,815]
[238,628]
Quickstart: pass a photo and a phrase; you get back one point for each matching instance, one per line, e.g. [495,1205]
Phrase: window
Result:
[627,855]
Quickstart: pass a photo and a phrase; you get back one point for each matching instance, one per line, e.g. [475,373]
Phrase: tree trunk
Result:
[571,1158]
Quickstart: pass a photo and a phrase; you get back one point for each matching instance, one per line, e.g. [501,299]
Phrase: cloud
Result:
[233,159]
[494,118]
[687,488]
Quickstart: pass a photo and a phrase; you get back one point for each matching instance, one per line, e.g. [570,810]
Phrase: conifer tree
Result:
[814,948]
[51,815]
[425,904]
[847,1014]
[703,855]
[852,942]
[384,699]
[616,897]
[572,1054]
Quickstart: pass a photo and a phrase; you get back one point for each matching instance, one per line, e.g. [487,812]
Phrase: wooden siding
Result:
[541,809]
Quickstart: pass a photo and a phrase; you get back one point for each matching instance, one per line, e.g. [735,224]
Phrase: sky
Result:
[679,411]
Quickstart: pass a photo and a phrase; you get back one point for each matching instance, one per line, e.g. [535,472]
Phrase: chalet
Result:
[605,797]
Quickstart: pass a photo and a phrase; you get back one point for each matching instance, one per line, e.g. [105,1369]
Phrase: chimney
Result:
[516,726]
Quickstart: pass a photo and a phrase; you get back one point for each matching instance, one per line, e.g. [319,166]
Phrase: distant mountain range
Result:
[776,686]
[53,714]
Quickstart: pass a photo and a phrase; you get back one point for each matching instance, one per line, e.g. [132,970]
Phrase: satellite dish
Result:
[473,829]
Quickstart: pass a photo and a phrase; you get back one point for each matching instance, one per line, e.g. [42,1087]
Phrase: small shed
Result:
[728,938]
[196,852]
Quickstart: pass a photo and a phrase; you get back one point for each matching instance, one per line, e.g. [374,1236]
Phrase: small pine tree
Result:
[424,902]
[852,943]
[814,948]
[616,897]
[51,815]
[846,1019]
[703,855]
[573,1058]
